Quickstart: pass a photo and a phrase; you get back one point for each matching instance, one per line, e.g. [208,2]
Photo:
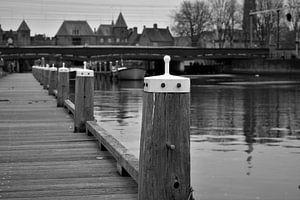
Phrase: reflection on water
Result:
[245,133]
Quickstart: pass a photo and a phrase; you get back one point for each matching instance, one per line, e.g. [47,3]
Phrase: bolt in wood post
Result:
[46,77]
[84,98]
[164,163]
[52,80]
[62,86]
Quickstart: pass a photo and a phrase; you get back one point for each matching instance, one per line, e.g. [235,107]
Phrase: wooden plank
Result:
[89,197]
[69,183]
[69,192]
[41,156]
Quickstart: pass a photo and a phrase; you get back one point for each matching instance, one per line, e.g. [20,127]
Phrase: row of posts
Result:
[164,164]
[104,67]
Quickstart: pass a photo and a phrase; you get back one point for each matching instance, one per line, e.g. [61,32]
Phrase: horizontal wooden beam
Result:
[70,106]
[128,161]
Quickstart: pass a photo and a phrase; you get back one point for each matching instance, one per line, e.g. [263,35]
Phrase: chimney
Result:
[155,26]
[135,29]
[95,30]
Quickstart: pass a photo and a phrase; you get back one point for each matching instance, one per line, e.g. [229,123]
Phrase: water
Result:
[245,133]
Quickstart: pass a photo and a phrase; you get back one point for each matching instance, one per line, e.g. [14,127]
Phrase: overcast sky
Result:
[46,16]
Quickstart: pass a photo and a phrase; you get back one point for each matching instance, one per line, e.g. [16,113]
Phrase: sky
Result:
[46,16]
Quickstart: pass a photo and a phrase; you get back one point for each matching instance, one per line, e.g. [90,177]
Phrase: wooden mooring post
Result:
[164,165]
[52,80]
[46,77]
[84,98]
[62,85]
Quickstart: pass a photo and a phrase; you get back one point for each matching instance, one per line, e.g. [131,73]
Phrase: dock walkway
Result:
[41,156]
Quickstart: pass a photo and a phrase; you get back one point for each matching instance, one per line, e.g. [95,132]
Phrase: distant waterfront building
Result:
[79,32]
[114,33]
[156,37]
[133,37]
[41,40]
[21,37]
[73,32]
[23,32]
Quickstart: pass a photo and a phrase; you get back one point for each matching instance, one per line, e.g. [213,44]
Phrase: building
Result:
[114,33]
[42,40]
[156,37]
[21,37]
[79,32]
[75,32]
[23,34]
[133,37]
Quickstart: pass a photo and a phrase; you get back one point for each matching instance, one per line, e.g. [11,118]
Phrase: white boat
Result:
[124,73]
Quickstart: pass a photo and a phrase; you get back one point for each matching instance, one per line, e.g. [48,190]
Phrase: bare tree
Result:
[226,17]
[192,19]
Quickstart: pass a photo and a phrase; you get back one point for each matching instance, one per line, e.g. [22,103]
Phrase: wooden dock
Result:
[41,156]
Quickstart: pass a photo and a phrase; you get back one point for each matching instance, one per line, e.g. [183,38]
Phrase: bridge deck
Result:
[41,157]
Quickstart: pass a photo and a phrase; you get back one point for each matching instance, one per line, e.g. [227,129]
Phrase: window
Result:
[101,40]
[118,40]
[75,32]
[109,40]
[76,41]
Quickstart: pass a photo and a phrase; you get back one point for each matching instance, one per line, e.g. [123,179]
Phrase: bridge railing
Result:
[163,170]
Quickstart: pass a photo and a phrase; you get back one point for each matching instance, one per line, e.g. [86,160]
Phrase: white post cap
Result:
[167,83]
[53,68]
[84,72]
[63,68]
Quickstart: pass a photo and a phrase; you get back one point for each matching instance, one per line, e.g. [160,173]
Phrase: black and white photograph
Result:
[149,100]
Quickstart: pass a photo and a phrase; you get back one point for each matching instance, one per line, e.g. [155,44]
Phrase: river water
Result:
[245,133]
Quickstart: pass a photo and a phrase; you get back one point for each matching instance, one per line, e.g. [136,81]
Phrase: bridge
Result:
[130,52]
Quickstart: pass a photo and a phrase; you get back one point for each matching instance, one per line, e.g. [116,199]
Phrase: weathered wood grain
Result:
[84,102]
[41,156]
[62,88]
[52,81]
[164,165]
